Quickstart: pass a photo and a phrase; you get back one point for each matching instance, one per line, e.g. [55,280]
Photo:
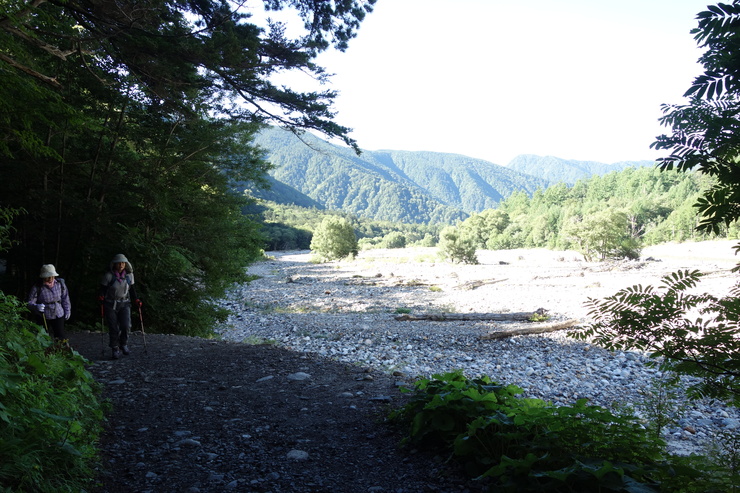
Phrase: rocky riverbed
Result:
[347,311]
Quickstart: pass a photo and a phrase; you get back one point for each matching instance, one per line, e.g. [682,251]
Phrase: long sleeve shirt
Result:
[55,299]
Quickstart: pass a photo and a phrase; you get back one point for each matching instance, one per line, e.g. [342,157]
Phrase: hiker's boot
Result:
[116,353]
[125,350]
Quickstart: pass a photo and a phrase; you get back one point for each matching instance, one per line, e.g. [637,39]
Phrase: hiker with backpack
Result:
[49,301]
[117,293]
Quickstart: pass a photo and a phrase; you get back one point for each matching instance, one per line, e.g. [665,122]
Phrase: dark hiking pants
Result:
[118,318]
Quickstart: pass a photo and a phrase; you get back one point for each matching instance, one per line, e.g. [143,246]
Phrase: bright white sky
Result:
[491,79]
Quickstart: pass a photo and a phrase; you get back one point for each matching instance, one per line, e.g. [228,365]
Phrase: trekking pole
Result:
[102,330]
[43,315]
[141,319]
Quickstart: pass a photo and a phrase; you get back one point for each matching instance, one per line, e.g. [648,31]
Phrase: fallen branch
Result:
[540,329]
[496,317]
[476,284]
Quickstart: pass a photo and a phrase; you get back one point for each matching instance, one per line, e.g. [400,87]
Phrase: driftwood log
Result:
[539,329]
[478,317]
[476,284]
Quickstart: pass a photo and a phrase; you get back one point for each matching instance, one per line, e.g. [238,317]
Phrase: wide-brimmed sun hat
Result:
[47,270]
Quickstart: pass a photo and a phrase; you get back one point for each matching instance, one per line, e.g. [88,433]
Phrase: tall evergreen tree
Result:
[122,124]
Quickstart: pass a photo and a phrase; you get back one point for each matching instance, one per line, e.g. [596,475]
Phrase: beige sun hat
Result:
[48,270]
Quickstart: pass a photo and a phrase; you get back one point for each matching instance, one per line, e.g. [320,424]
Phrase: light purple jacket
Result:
[55,298]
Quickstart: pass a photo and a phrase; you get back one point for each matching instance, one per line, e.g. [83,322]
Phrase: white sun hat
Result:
[48,270]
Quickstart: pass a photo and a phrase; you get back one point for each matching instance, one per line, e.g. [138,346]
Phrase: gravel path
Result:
[346,311]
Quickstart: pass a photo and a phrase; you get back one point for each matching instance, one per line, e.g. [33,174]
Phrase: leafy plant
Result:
[662,403]
[457,246]
[525,444]
[721,466]
[539,317]
[50,412]
[334,239]
[687,334]
[703,132]
[443,406]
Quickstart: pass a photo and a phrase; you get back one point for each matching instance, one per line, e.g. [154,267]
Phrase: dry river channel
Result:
[348,311]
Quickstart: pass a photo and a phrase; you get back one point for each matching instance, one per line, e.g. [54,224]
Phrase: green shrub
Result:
[441,408]
[519,444]
[50,415]
[457,245]
[394,239]
[427,241]
[334,239]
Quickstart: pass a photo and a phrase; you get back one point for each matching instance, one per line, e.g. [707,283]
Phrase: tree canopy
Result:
[184,53]
[705,133]
[603,217]
[123,126]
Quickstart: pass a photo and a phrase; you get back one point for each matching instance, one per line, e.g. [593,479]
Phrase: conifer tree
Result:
[124,125]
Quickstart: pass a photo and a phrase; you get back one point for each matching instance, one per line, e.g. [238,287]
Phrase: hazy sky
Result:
[491,79]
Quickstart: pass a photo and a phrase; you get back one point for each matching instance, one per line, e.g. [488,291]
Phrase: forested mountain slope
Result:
[413,187]
[556,170]
[280,193]
[470,184]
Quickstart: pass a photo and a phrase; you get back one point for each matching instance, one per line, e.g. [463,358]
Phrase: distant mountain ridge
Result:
[403,186]
[406,186]
[472,185]
[554,169]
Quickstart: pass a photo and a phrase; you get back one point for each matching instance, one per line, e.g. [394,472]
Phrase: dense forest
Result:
[399,186]
[641,205]
[645,204]
[124,127]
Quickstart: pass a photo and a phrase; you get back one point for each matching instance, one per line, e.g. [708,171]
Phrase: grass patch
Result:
[258,341]
[539,318]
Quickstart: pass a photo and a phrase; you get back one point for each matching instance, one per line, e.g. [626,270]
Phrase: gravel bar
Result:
[346,311]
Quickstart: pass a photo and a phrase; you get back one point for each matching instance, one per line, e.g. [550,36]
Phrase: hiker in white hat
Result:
[117,293]
[49,300]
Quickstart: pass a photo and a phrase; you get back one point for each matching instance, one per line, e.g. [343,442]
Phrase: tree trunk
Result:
[496,317]
[539,329]
[476,284]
